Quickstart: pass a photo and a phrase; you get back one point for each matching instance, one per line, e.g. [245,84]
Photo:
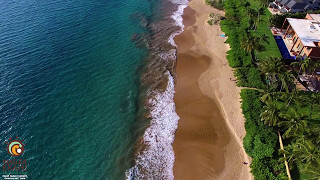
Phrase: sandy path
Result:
[208,142]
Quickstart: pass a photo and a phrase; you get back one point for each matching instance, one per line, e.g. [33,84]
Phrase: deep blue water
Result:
[69,83]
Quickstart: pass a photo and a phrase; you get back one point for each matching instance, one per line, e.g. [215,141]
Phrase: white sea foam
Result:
[156,161]
[168,56]
[177,17]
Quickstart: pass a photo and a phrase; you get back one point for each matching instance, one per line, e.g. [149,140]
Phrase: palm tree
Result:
[307,153]
[250,43]
[264,3]
[257,19]
[251,13]
[254,17]
[268,94]
[271,67]
[294,97]
[314,67]
[313,171]
[285,153]
[264,38]
[286,79]
[292,123]
[303,153]
[315,97]
[304,65]
[270,114]
[314,135]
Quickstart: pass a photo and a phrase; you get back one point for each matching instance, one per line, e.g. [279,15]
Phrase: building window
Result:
[299,47]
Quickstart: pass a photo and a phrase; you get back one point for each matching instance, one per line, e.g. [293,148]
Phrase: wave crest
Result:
[156,161]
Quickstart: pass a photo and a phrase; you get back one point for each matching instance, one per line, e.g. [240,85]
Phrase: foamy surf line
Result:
[177,17]
[157,160]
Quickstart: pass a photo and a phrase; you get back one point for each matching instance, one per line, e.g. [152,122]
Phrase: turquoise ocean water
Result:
[81,81]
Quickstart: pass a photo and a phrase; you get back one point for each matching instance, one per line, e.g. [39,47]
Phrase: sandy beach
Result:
[208,141]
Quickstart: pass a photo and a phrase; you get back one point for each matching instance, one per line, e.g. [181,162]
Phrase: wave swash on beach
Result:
[156,159]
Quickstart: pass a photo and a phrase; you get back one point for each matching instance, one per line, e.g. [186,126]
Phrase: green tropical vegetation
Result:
[262,17]
[282,123]
[219,4]
[214,19]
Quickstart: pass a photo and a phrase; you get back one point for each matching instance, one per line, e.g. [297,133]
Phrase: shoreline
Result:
[211,125]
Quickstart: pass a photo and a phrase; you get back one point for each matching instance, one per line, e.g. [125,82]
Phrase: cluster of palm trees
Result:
[277,74]
[306,155]
[307,66]
[251,42]
[254,18]
[254,15]
[285,107]
[284,111]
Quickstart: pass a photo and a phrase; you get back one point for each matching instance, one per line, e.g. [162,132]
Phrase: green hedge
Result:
[260,141]
[218,4]
[278,19]
[249,77]
[268,169]
[239,58]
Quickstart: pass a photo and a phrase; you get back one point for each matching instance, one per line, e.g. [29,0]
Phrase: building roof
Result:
[283,2]
[300,4]
[307,30]
[315,17]
[295,5]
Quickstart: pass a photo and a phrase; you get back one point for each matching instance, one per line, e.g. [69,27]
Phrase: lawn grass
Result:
[271,48]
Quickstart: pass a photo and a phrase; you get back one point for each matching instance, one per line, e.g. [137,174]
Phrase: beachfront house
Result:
[302,36]
[285,6]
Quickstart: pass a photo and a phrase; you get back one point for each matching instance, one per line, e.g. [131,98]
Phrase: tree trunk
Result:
[289,102]
[255,27]
[285,160]
[253,57]
[311,109]
[299,71]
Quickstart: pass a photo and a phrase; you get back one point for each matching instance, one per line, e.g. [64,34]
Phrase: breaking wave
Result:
[156,160]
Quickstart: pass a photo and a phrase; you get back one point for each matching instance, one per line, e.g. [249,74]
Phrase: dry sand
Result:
[208,141]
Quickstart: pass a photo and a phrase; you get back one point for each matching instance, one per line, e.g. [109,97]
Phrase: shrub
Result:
[260,141]
[261,170]
[211,15]
[264,143]
[277,20]
[251,106]
[218,4]
[238,58]
[215,18]
[248,77]
[210,22]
